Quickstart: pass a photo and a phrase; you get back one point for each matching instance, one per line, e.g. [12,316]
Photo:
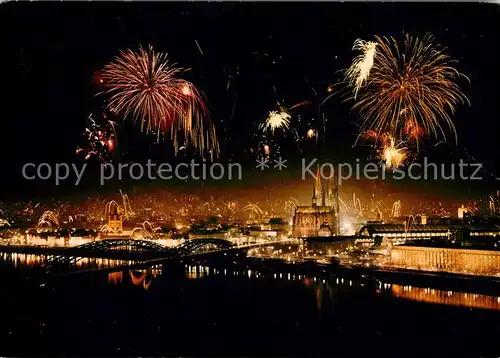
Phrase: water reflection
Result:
[450,298]
[142,278]
[20,260]
[324,290]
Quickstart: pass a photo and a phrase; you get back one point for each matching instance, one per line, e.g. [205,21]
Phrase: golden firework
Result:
[276,120]
[393,153]
[414,82]
[360,69]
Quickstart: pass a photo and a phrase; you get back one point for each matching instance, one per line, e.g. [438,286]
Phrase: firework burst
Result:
[393,153]
[311,133]
[101,140]
[413,131]
[409,87]
[360,69]
[276,120]
[145,86]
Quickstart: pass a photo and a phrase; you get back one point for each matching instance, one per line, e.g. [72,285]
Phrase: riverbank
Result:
[372,274]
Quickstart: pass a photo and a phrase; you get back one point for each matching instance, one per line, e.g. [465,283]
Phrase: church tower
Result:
[115,222]
[318,197]
[333,202]
[322,218]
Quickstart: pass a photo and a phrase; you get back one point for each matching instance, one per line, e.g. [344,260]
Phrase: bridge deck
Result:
[138,251]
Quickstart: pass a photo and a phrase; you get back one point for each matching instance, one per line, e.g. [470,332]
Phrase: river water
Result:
[213,312]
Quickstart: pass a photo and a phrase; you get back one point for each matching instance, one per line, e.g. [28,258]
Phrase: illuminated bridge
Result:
[141,251]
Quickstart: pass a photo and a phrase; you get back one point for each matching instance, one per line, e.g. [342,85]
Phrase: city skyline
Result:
[249,179]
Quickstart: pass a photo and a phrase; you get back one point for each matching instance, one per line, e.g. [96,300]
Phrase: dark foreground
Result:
[233,314]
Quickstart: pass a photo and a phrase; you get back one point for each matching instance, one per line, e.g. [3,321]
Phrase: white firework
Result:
[276,120]
[359,71]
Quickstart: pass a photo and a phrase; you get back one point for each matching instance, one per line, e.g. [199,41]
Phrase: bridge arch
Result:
[99,247]
[132,245]
[195,245]
[75,254]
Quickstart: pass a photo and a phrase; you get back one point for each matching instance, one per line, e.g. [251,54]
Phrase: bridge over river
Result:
[135,252]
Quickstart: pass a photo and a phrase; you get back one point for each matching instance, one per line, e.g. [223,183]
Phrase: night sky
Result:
[50,52]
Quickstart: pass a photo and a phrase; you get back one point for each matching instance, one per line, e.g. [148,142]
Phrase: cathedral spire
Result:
[331,193]
[318,189]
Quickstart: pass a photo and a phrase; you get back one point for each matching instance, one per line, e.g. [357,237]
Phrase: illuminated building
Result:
[322,218]
[456,260]
[115,221]
[398,232]
[209,234]
[278,224]
[462,211]
[329,246]
[263,233]
[401,233]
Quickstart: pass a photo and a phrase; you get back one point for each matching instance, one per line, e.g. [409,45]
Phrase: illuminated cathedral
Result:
[322,218]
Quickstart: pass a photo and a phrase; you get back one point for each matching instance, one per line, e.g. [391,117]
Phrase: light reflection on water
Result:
[32,240]
[20,260]
[323,289]
[142,278]
[450,298]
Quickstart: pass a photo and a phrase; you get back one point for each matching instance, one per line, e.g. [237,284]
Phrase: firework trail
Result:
[252,208]
[144,85]
[345,205]
[111,206]
[471,158]
[360,69]
[356,202]
[291,205]
[413,131]
[101,140]
[48,218]
[396,209]
[311,87]
[193,126]
[300,104]
[199,47]
[410,89]
[491,205]
[94,208]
